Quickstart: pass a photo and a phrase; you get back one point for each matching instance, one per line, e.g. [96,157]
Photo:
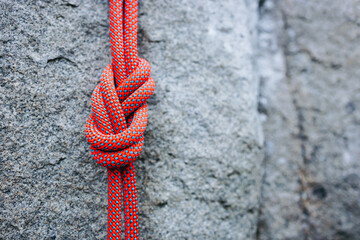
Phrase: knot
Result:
[115,128]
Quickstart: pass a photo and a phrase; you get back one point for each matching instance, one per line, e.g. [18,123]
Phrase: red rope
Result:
[118,120]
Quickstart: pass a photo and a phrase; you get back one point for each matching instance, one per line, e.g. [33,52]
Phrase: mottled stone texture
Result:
[310,98]
[199,174]
[230,75]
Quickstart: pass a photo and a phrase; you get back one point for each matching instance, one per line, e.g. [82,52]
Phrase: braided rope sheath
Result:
[115,128]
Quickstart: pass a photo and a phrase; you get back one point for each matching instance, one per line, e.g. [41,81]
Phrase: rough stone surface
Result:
[230,75]
[199,174]
[309,99]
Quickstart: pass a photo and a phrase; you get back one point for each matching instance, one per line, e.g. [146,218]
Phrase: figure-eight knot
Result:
[115,128]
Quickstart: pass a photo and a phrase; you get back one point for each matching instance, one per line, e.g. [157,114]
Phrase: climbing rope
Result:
[115,128]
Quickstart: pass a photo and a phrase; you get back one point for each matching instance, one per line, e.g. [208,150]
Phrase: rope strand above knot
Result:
[115,129]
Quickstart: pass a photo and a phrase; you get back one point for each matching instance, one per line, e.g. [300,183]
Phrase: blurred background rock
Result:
[253,130]
[308,62]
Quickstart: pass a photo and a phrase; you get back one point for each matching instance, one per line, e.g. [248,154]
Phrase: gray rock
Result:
[253,130]
[199,173]
[309,69]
